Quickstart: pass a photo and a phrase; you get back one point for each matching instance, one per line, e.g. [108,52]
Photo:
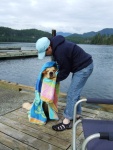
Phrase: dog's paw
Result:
[26,106]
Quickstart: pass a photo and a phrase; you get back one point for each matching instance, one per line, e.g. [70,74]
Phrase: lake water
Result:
[99,85]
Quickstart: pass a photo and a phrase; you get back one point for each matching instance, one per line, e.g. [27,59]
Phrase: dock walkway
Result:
[18,54]
[17,133]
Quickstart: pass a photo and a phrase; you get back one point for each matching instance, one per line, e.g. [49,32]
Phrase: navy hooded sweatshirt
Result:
[69,56]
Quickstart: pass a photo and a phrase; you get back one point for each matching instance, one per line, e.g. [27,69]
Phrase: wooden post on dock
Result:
[53,34]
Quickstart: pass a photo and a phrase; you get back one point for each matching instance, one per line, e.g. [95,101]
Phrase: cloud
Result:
[75,16]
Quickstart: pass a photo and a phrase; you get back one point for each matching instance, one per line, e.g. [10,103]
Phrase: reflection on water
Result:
[100,83]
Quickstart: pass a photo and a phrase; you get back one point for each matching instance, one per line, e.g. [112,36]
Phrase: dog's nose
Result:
[51,73]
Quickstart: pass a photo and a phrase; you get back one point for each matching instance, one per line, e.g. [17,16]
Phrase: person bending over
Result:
[70,59]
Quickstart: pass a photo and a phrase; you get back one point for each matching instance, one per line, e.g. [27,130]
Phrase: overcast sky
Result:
[74,16]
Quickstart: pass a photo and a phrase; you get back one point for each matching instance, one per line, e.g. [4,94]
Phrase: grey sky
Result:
[75,16]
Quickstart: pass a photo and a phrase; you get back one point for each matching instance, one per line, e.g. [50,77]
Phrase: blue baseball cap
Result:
[41,45]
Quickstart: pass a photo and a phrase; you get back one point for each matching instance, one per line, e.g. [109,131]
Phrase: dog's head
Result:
[50,73]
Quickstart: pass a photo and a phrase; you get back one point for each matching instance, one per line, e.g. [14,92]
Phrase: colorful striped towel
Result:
[47,90]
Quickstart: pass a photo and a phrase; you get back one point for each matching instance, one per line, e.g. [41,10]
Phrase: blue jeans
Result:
[77,83]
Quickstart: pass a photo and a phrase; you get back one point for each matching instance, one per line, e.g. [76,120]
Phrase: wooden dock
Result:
[18,53]
[17,133]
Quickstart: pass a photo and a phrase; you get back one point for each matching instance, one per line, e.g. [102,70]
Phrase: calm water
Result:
[99,85]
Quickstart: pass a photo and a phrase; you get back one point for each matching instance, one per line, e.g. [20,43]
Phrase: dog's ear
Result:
[44,72]
[55,69]
[55,66]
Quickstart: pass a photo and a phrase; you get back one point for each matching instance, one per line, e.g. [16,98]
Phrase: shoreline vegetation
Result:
[104,37]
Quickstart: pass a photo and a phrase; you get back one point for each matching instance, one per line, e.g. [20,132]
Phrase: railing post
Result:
[53,34]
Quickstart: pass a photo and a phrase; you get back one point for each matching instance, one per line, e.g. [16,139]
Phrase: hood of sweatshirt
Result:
[56,41]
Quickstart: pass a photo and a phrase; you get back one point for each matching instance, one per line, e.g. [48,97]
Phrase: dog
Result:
[49,73]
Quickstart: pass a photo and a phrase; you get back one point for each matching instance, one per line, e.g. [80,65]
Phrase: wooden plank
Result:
[105,115]
[70,148]
[12,143]
[92,111]
[89,115]
[65,135]
[15,138]
[36,133]
[19,53]
[61,104]
[18,115]
[86,112]
[60,109]
[23,114]
[3,147]
[79,130]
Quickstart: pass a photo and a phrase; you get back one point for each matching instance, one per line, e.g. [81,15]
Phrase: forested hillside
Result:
[28,35]
[104,36]
[102,39]
[79,39]
[97,39]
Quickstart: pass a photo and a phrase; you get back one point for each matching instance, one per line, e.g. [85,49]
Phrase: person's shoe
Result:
[62,126]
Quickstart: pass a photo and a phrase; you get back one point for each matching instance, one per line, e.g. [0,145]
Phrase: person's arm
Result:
[64,69]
